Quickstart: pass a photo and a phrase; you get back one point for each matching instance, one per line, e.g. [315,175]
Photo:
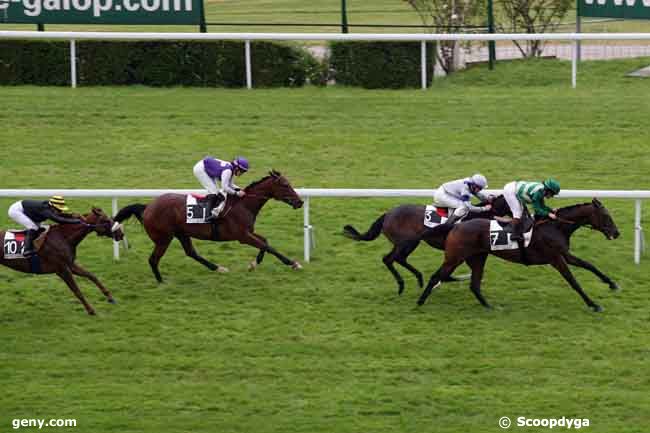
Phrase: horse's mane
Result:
[568,208]
[272,173]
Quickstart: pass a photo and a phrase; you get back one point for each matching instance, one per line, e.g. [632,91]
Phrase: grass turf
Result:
[332,347]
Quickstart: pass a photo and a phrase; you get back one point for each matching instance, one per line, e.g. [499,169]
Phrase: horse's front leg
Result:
[260,243]
[78,270]
[260,256]
[575,261]
[561,265]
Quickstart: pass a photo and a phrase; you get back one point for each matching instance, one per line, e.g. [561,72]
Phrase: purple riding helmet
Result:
[241,163]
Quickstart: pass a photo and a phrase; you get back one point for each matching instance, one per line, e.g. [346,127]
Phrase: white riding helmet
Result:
[479,180]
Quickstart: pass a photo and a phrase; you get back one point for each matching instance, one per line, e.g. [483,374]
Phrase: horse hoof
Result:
[420,302]
[222,269]
[296,266]
[112,301]
[614,286]
[91,313]
[400,291]
[252,265]
[597,308]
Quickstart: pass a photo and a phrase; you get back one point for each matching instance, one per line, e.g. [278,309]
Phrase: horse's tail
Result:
[131,210]
[373,232]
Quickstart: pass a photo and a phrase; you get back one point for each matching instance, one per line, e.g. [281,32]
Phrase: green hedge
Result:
[375,65]
[219,64]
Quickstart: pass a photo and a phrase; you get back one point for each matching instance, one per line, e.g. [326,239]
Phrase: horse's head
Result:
[601,220]
[103,225]
[500,206]
[278,187]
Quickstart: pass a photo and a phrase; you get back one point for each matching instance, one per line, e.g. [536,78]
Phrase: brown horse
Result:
[58,253]
[403,227]
[165,218]
[470,241]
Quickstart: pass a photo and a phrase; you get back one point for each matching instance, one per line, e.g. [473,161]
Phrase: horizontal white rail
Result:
[307,193]
[147,36]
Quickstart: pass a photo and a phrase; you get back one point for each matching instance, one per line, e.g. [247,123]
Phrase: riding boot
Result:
[28,246]
[213,201]
[517,235]
[453,219]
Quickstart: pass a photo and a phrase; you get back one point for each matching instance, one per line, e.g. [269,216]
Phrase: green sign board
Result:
[629,9]
[101,11]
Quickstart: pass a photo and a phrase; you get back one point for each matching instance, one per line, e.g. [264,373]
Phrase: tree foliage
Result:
[532,16]
[448,16]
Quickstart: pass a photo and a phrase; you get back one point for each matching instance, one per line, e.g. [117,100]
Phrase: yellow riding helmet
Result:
[58,202]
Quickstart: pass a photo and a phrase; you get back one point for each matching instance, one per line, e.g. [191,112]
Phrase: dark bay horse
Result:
[470,242]
[58,253]
[165,219]
[403,227]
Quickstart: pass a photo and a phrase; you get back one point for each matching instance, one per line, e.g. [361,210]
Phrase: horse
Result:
[58,253]
[165,218]
[403,227]
[470,242]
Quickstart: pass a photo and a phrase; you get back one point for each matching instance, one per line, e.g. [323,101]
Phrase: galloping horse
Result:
[58,253]
[470,241]
[165,218]
[403,227]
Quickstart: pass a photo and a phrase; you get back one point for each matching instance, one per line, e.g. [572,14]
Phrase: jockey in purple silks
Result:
[216,177]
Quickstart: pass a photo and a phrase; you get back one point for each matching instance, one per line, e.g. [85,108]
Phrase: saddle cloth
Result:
[13,244]
[434,216]
[500,237]
[196,210]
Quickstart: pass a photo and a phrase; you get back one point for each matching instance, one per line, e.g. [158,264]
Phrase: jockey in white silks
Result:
[456,195]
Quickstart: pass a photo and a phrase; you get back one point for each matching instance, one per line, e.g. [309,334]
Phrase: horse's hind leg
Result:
[477,264]
[66,275]
[158,251]
[190,251]
[78,270]
[401,259]
[388,261]
[437,277]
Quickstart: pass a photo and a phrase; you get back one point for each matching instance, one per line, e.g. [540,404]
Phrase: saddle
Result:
[506,224]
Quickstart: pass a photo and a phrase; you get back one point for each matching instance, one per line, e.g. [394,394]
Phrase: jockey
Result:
[456,195]
[31,213]
[216,177]
[519,193]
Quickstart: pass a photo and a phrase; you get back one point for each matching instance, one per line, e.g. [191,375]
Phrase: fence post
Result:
[249,77]
[423,60]
[307,229]
[116,244]
[73,63]
[574,64]
[638,232]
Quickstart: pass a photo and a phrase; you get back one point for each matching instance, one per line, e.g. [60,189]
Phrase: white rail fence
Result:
[308,193]
[575,38]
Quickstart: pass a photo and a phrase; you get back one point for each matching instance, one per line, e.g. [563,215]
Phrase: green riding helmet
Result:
[552,185]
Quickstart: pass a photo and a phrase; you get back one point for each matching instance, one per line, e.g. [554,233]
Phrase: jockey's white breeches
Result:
[510,194]
[210,184]
[17,214]
[444,199]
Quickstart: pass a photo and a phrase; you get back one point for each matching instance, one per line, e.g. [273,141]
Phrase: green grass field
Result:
[331,348]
